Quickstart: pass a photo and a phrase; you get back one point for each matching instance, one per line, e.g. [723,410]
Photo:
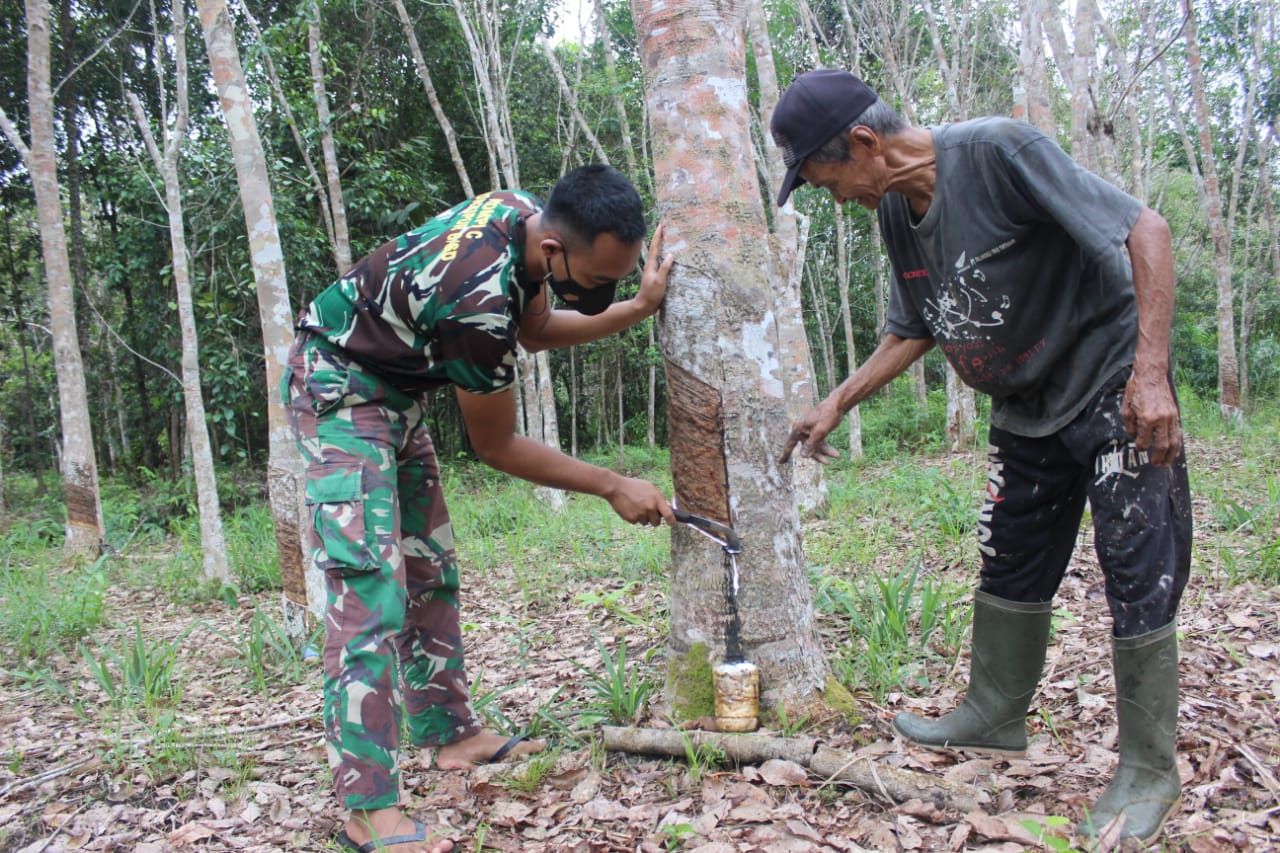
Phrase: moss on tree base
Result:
[690,685]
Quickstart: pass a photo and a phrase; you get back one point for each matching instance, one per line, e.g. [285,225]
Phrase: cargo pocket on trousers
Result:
[339,540]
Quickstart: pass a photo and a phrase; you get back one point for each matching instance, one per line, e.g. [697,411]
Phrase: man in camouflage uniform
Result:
[444,304]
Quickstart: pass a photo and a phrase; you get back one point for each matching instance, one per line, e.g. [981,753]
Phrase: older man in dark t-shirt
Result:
[1052,291]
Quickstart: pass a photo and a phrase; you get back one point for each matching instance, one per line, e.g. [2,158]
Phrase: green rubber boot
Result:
[1146,786]
[1009,640]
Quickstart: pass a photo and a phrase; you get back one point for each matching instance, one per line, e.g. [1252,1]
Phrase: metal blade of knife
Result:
[722,534]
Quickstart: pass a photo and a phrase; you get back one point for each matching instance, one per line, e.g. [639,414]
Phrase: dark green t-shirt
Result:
[1018,271]
[439,305]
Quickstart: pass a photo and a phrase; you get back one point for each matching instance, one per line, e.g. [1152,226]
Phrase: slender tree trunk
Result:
[960,404]
[446,126]
[547,400]
[1270,250]
[622,409]
[304,149]
[651,411]
[67,103]
[727,399]
[529,392]
[20,332]
[1031,99]
[573,402]
[333,176]
[1082,151]
[639,177]
[1057,36]
[846,320]
[545,403]
[4,510]
[1136,184]
[142,388]
[824,333]
[212,541]
[1228,369]
[571,98]
[84,528]
[961,411]
[481,32]
[117,397]
[787,245]
[284,462]
[486,61]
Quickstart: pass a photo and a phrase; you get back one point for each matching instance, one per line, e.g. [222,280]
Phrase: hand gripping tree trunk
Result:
[79,466]
[720,342]
[283,460]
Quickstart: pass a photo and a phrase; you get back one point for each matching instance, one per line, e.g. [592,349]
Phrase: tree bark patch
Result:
[695,426]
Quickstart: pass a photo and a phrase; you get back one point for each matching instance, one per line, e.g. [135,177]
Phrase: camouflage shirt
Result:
[439,305]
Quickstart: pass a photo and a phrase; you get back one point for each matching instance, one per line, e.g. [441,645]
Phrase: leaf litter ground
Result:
[78,781]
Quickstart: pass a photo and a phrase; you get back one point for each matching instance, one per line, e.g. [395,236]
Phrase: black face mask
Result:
[585,300]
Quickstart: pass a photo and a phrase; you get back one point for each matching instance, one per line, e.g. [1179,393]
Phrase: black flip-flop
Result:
[505,749]
[420,833]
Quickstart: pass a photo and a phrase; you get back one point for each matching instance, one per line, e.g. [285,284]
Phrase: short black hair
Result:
[594,200]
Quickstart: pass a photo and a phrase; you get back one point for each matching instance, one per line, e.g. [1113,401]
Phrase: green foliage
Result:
[611,602]
[141,673]
[526,777]
[700,758]
[621,693]
[894,423]
[145,507]
[676,834]
[891,618]
[500,521]
[251,547]
[1240,533]
[268,655]
[1052,840]
[43,610]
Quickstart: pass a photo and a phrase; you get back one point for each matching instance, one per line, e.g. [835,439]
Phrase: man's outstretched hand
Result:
[811,431]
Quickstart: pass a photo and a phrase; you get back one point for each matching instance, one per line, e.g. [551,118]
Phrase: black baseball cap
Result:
[816,106]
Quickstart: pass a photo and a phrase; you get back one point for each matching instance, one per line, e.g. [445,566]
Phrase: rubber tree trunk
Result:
[1228,367]
[213,545]
[284,462]
[727,412]
[84,528]
[333,179]
[789,240]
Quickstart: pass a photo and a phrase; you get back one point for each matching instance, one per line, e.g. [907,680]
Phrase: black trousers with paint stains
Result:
[1036,493]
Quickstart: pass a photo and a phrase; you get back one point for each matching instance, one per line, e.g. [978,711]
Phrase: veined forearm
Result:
[1151,255]
[890,360]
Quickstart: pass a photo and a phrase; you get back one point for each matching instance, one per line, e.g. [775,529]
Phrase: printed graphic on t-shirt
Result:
[962,314]
[963,307]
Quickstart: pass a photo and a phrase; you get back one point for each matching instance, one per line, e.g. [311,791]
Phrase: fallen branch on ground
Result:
[836,765]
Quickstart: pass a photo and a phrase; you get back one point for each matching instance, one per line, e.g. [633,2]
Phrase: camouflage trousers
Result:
[381,534]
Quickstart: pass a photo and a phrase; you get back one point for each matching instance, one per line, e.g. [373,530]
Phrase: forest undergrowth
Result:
[144,710]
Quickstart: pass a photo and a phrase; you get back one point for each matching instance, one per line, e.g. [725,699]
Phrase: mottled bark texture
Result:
[720,342]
